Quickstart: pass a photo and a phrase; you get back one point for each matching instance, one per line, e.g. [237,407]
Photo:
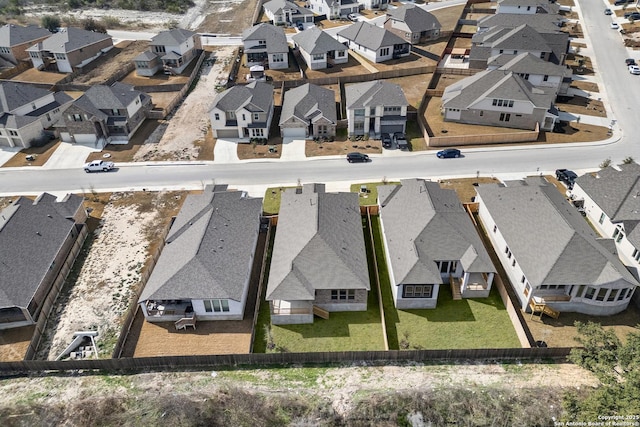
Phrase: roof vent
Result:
[38,233]
[49,216]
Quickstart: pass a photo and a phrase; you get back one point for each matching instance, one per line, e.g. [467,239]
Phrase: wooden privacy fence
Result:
[263,267]
[377,277]
[145,364]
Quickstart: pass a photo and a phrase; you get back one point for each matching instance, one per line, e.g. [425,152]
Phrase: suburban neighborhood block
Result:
[285,12]
[243,111]
[319,50]
[413,24]
[429,240]
[170,50]
[319,259]
[375,107]
[334,9]
[374,43]
[39,239]
[15,39]
[550,254]
[266,45]
[204,269]
[308,111]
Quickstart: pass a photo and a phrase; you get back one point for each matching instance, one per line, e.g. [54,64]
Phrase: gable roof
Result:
[424,223]
[68,40]
[527,63]
[209,249]
[522,37]
[495,84]
[277,6]
[550,240]
[543,23]
[35,231]
[314,41]
[415,18]
[308,103]
[15,95]
[276,41]
[256,96]
[374,93]
[541,5]
[13,35]
[617,193]
[173,37]
[319,244]
[147,55]
[370,36]
[102,97]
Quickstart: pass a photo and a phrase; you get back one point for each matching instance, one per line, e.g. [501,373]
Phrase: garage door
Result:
[391,128]
[227,133]
[294,132]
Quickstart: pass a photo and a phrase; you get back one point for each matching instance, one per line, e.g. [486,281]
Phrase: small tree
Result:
[605,163]
[91,24]
[50,22]
[627,160]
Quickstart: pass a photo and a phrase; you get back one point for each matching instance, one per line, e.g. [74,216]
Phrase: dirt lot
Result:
[126,152]
[98,295]
[413,88]
[253,151]
[586,86]
[351,68]
[14,343]
[229,18]
[464,187]
[34,76]
[342,146]
[582,105]
[112,62]
[41,155]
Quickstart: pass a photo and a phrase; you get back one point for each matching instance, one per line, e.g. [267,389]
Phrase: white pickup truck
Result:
[98,166]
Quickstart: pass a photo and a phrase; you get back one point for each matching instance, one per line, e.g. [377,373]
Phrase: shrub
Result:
[605,163]
[50,22]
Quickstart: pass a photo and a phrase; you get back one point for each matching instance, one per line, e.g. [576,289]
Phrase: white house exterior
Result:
[539,73]
[549,253]
[243,111]
[170,50]
[266,45]
[334,9]
[375,107]
[527,7]
[374,43]
[611,200]
[308,110]
[285,12]
[204,269]
[429,240]
[318,48]
[374,4]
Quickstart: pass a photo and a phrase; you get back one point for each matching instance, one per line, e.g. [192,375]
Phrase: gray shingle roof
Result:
[256,96]
[523,37]
[209,249]
[35,233]
[102,97]
[541,22]
[12,35]
[14,95]
[617,193]
[276,7]
[173,37]
[12,121]
[370,36]
[496,84]
[415,18]
[549,239]
[314,40]
[319,244]
[374,93]
[308,103]
[274,37]
[68,40]
[543,4]
[423,224]
[147,55]
[528,63]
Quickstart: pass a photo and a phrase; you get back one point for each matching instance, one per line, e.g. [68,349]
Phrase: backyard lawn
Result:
[371,196]
[468,323]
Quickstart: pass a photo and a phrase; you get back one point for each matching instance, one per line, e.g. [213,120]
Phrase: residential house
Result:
[527,7]
[69,49]
[105,115]
[170,50]
[204,269]
[611,201]
[550,46]
[284,12]
[413,24]
[429,240]
[26,111]
[243,111]
[500,98]
[334,9]
[538,72]
[374,43]
[38,239]
[374,4]
[15,39]
[375,107]
[308,111]
[318,49]
[550,254]
[319,261]
[266,45]
[542,23]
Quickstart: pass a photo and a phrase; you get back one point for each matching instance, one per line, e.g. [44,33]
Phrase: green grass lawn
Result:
[271,203]
[370,198]
[468,323]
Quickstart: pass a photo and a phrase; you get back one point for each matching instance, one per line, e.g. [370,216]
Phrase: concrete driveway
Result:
[293,149]
[69,156]
[6,153]
[225,151]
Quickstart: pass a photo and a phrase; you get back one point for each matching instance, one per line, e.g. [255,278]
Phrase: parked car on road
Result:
[630,61]
[386,140]
[352,17]
[608,11]
[615,26]
[448,153]
[400,140]
[98,166]
[357,158]
[634,69]
[632,15]
[567,176]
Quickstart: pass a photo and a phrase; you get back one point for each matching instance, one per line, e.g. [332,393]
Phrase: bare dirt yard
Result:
[181,138]
[106,277]
[112,62]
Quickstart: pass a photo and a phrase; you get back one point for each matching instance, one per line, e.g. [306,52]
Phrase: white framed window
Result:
[216,116]
[343,294]
[278,57]
[384,51]
[216,305]
[417,291]
[602,217]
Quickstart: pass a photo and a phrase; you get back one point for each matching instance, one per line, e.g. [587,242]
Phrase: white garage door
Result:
[294,132]
[227,133]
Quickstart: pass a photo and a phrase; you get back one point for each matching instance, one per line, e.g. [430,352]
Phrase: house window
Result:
[257,132]
[495,228]
[417,291]
[481,113]
[343,294]
[636,255]
[244,118]
[590,292]
[262,42]
[48,117]
[612,295]
[359,112]
[256,116]
[13,133]
[505,117]
[618,234]
[115,112]
[278,57]
[545,78]
[216,305]
[527,289]
[76,117]
[622,294]
[524,76]
[580,291]
[601,294]
[384,51]
[392,109]
[358,126]
[60,56]
[602,217]
[159,49]
[318,56]
[340,53]
[216,116]
[513,264]
[522,280]
[5,50]
[231,115]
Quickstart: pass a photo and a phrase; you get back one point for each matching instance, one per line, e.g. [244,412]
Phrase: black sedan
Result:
[448,153]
